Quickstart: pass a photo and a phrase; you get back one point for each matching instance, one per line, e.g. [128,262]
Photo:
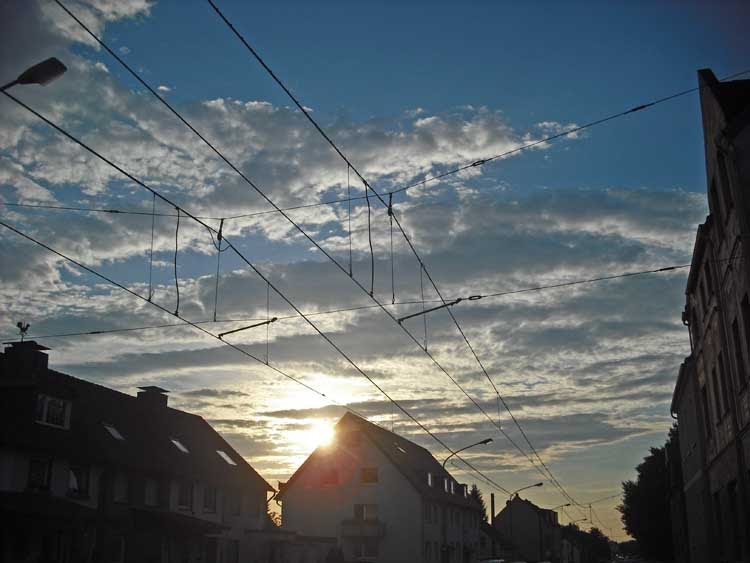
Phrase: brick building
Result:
[712,396]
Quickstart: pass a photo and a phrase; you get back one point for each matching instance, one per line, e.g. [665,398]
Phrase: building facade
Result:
[385,498]
[534,533]
[712,396]
[88,474]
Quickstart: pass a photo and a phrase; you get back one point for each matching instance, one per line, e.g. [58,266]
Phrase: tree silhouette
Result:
[645,507]
[476,494]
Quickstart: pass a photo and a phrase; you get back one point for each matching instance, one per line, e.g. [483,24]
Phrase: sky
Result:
[406,90]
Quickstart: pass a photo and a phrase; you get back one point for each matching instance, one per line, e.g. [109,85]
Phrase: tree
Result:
[476,494]
[645,507]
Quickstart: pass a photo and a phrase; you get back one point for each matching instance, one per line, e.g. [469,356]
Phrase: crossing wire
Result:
[242,257]
[320,130]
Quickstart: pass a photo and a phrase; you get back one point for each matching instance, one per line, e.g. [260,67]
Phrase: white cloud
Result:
[163,88]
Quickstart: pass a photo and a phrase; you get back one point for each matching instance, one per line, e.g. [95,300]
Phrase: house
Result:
[89,474]
[711,399]
[383,497]
[533,532]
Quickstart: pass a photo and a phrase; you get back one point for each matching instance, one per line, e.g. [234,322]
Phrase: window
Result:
[329,476]
[717,396]
[151,493]
[399,447]
[179,445]
[120,488]
[235,503]
[704,296]
[352,438]
[223,455]
[435,514]
[369,474]
[53,411]
[116,549]
[706,411]
[466,491]
[715,205]
[209,499]
[726,189]
[724,382]
[428,551]
[445,484]
[427,510]
[741,373]
[430,482]
[114,432]
[745,306]
[78,480]
[366,547]
[185,495]
[39,474]
[365,511]
[233,551]
[453,487]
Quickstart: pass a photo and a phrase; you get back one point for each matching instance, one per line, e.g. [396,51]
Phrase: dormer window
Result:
[179,445]
[399,448]
[445,484]
[466,491]
[430,480]
[53,411]
[453,487]
[114,432]
[223,455]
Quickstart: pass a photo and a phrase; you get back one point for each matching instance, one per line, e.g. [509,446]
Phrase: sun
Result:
[320,433]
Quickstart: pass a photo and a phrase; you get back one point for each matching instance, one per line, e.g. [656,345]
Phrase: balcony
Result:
[354,528]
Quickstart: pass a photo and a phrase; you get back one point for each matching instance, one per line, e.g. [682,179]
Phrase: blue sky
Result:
[407,90]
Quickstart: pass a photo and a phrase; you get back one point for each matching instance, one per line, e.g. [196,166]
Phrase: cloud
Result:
[162,88]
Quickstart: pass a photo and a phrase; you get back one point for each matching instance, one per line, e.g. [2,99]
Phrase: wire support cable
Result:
[151,251]
[261,323]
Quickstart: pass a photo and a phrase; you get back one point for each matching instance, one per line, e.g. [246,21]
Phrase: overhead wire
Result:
[315,124]
[289,219]
[239,255]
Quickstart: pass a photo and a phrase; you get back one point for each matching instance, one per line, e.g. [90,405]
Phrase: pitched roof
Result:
[412,460]
[147,429]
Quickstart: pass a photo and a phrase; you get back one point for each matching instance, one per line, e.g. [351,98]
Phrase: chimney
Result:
[23,359]
[492,508]
[153,396]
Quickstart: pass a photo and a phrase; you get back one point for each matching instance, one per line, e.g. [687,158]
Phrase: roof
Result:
[527,503]
[412,460]
[147,429]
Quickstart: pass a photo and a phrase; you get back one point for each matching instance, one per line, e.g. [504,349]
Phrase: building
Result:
[89,474]
[385,498]
[534,533]
[712,397]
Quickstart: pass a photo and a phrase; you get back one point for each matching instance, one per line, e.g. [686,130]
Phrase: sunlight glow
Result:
[320,434]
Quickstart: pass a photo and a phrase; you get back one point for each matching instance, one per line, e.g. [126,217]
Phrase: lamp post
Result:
[481,443]
[41,73]
[510,506]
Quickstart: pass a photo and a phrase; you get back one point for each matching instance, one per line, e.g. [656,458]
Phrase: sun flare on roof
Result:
[320,433]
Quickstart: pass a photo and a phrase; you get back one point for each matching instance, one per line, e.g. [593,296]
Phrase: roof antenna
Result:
[23,328]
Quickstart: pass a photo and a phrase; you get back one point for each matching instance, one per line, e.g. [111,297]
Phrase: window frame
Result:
[210,493]
[189,487]
[42,416]
[46,463]
[84,476]
[367,474]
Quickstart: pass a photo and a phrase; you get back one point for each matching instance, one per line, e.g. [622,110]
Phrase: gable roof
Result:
[147,430]
[413,461]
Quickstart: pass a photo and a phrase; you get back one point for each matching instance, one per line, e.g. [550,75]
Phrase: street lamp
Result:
[41,73]
[515,493]
[482,443]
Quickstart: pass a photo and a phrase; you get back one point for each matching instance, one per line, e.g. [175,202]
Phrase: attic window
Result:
[223,455]
[179,445]
[453,487]
[52,411]
[114,432]
[430,482]
[399,448]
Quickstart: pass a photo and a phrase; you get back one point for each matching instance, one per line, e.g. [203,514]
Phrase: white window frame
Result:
[45,399]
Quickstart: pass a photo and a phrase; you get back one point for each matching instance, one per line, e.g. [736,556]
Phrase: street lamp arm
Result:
[480,443]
